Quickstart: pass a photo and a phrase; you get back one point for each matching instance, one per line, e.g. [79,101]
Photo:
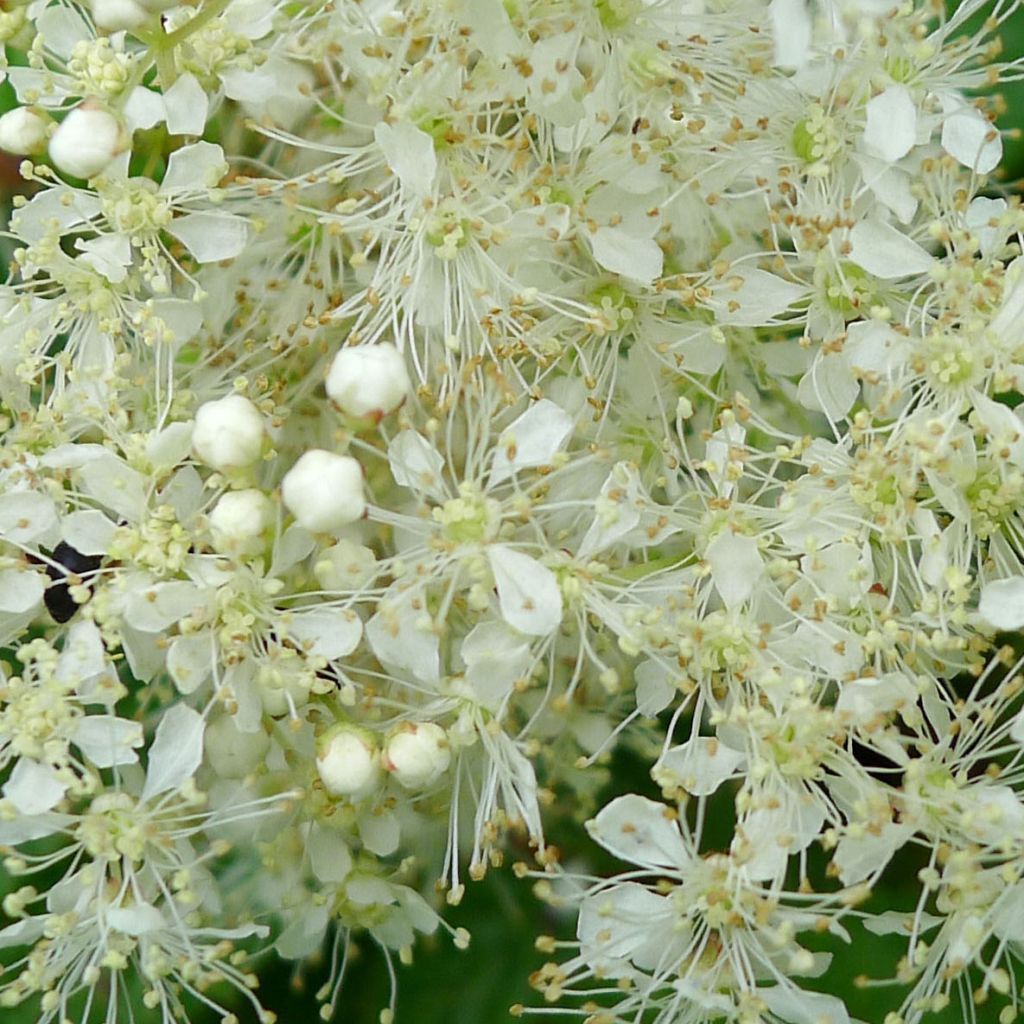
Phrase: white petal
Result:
[154,608]
[167,447]
[626,924]
[495,656]
[22,830]
[617,509]
[190,660]
[862,700]
[177,750]
[305,935]
[107,740]
[886,252]
[22,933]
[980,213]
[416,463]
[701,765]
[409,152]
[791,32]
[528,592]
[194,168]
[736,566]
[182,319]
[530,440]
[187,106]
[402,635]
[20,590]
[61,29]
[639,259]
[325,632]
[796,1006]
[891,124]
[83,656]
[857,858]
[654,688]
[143,109]
[829,386]
[1002,603]
[380,832]
[972,141]
[109,255]
[640,831]
[115,485]
[749,297]
[137,919]
[211,237]
[329,854]
[33,788]
[25,515]
[1017,729]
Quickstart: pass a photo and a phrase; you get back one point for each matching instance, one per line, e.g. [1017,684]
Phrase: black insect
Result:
[69,562]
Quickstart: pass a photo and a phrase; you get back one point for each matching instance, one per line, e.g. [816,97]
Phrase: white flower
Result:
[240,520]
[417,754]
[24,131]
[324,491]
[86,142]
[118,15]
[348,763]
[229,433]
[1002,603]
[368,380]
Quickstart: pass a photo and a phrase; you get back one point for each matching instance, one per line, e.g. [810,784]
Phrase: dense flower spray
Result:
[406,405]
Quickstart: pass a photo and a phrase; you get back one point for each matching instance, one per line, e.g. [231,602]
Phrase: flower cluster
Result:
[405,405]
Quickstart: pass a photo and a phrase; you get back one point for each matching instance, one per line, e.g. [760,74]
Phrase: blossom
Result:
[411,412]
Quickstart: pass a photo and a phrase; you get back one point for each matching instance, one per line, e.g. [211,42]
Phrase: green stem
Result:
[162,46]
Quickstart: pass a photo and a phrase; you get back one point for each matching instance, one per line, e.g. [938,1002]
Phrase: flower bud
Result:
[324,491]
[228,433]
[368,380]
[24,131]
[233,754]
[417,755]
[239,521]
[86,141]
[347,762]
[120,15]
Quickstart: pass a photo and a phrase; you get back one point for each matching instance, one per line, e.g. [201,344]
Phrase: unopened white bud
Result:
[239,521]
[120,15]
[347,762]
[233,754]
[368,380]
[417,755]
[228,433]
[86,141]
[345,566]
[24,131]
[324,491]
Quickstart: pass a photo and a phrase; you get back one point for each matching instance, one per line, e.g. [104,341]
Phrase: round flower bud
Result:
[324,491]
[119,15]
[24,131]
[347,762]
[228,433]
[368,380]
[417,755]
[86,141]
[239,521]
[233,754]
